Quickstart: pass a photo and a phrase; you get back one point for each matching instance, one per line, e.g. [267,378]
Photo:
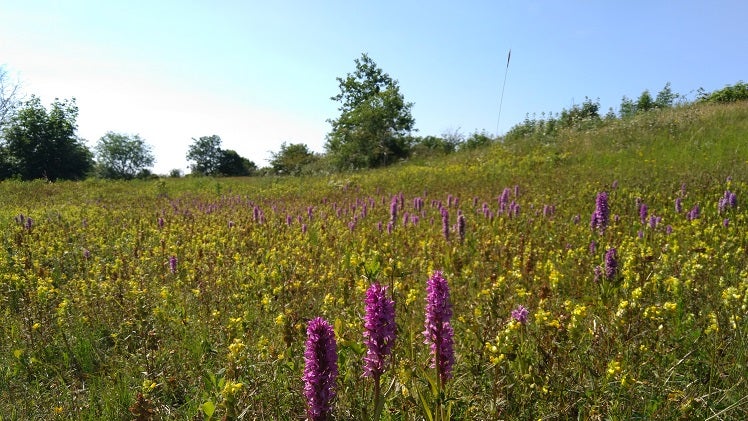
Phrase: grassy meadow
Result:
[189,298]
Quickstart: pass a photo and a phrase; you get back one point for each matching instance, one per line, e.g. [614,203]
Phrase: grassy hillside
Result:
[189,298]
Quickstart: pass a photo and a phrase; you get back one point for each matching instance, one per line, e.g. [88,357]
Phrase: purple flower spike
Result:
[445,223]
[379,329]
[601,215]
[320,368]
[439,333]
[611,263]
[520,314]
[173,264]
[461,226]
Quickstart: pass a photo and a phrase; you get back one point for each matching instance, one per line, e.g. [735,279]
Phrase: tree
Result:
[665,97]
[375,121]
[205,153]
[122,156]
[645,102]
[232,164]
[43,144]
[291,159]
[209,159]
[8,99]
[628,108]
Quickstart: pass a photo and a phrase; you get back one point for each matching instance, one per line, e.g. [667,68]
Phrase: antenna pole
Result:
[501,101]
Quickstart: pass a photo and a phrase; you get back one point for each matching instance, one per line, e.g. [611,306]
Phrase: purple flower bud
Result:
[320,368]
[643,210]
[379,329]
[439,333]
[678,205]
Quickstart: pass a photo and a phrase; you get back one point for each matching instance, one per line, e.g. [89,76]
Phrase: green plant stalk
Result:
[378,398]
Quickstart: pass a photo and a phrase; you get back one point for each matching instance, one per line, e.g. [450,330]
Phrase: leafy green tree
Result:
[205,154]
[208,158]
[122,156]
[628,108]
[476,140]
[42,144]
[645,102]
[730,93]
[666,97]
[291,159]
[375,121]
[232,164]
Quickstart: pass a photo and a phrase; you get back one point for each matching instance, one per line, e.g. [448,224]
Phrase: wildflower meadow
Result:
[597,274]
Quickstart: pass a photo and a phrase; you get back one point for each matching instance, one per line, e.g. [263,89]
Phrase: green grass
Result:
[115,335]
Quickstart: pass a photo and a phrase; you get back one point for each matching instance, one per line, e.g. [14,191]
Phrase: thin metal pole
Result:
[501,102]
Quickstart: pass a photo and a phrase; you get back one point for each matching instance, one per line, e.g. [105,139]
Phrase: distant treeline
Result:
[375,129]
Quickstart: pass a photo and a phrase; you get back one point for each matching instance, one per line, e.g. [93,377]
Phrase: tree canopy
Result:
[208,158]
[42,144]
[375,121]
[122,156]
[291,159]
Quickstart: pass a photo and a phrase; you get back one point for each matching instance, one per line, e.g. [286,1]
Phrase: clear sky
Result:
[258,73]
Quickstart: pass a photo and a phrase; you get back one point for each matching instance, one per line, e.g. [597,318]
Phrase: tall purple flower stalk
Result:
[379,337]
[601,215]
[439,333]
[379,329]
[320,369]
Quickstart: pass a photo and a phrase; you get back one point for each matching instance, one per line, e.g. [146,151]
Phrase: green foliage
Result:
[375,121]
[477,140]
[121,156]
[730,93]
[292,159]
[205,154]
[42,144]
[232,164]
[433,145]
[208,158]
[645,102]
[666,97]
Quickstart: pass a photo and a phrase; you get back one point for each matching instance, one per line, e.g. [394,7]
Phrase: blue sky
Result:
[261,73]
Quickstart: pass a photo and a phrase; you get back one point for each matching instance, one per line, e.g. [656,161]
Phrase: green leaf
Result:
[209,408]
